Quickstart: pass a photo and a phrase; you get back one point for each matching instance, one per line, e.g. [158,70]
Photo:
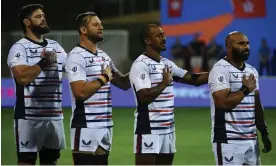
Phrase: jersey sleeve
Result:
[112,65]
[62,53]
[139,76]
[75,68]
[256,74]
[17,56]
[177,71]
[218,79]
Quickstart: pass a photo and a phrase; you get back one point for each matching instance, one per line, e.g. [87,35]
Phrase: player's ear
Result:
[83,30]
[147,41]
[26,22]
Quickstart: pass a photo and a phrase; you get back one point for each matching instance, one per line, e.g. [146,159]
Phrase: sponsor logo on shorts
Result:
[229,160]
[148,146]
[86,144]
[24,144]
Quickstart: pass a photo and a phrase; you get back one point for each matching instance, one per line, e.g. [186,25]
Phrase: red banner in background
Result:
[175,8]
[249,8]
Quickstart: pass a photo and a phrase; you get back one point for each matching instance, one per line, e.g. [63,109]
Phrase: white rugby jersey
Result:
[158,116]
[236,125]
[96,111]
[42,98]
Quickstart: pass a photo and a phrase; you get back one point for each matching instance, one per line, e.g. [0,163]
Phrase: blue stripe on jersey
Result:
[166,107]
[247,103]
[241,133]
[247,118]
[161,100]
[242,139]
[100,120]
[43,115]
[159,121]
[162,128]
[48,100]
[166,114]
[244,125]
[42,108]
[242,111]
[99,113]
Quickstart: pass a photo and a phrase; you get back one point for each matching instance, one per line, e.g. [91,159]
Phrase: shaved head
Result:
[230,37]
[237,46]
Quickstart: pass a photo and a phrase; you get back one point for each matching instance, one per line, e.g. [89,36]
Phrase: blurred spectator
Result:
[214,52]
[273,63]
[197,49]
[181,55]
[264,53]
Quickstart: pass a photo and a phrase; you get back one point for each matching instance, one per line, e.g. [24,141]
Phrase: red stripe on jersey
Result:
[166,124]
[245,106]
[52,97]
[249,136]
[240,122]
[160,110]
[104,117]
[99,103]
[169,96]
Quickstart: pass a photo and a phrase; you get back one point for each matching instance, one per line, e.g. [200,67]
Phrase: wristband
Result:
[244,90]
[106,77]
[101,81]
[42,64]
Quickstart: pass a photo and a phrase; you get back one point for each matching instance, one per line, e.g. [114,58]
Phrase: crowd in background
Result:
[198,56]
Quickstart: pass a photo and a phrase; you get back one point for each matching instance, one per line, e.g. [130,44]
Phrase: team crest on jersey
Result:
[142,76]
[75,68]
[153,67]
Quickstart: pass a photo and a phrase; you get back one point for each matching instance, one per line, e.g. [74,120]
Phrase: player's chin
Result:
[163,48]
[99,38]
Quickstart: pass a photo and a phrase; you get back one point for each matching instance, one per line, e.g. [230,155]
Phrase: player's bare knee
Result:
[49,156]
[26,158]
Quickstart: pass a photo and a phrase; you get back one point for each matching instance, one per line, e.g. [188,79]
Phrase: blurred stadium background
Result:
[189,25]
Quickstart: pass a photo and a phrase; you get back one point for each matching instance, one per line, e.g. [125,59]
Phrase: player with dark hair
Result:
[36,65]
[236,108]
[90,72]
[151,78]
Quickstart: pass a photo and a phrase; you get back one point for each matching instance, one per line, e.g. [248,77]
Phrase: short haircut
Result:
[145,32]
[27,11]
[82,19]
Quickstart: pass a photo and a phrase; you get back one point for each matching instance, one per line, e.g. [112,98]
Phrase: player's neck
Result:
[34,37]
[239,64]
[153,54]
[89,45]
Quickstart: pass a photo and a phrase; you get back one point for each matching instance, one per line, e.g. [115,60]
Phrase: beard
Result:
[94,38]
[40,30]
[240,55]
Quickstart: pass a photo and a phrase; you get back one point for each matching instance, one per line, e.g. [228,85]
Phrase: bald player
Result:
[236,109]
